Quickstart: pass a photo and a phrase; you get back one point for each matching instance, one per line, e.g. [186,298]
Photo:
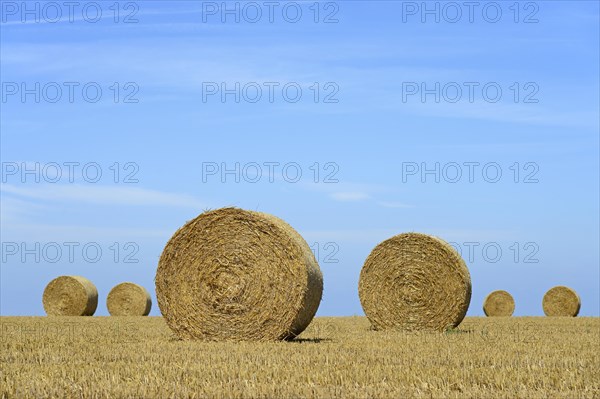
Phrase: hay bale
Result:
[499,303]
[70,296]
[128,299]
[414,282]
[561,301]
[231,274]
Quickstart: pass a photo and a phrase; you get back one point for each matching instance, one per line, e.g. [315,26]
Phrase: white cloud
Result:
[375,235]
[13,209]
[362,236]
[393,204]
[59,233]
[535,114]
[103,195]
[355,192]
[350,196]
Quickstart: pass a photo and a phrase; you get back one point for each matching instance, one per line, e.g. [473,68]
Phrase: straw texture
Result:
[231,274]
[128,299]
[499,303]
[561,301]
[70,296]
[414,282]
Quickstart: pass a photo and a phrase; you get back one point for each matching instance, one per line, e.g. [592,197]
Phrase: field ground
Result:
[116,357]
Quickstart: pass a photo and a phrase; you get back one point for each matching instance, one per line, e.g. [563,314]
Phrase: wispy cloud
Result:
[393,204]
[507,112]
[368,236]
[358,192]
[350,196]
[69,232]
[355,236]
[103,195]
[14,209]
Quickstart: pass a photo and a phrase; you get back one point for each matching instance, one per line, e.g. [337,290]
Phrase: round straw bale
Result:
[499,303]
[561,301]
[70,296]
[413,282]
[128,299]
[231,274]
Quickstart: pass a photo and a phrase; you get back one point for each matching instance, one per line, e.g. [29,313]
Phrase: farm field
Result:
[117,357]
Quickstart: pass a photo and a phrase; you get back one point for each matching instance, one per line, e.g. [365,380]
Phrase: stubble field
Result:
[135,357]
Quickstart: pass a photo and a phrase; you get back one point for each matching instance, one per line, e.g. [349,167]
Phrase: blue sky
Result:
[365,145]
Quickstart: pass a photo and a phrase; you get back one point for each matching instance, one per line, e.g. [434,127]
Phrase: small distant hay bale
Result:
[561,301]
[70,296]
[236,275]
[414,282]
[499,303]
[128,299]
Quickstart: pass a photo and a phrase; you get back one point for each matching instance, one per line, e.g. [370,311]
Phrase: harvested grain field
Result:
[75,357]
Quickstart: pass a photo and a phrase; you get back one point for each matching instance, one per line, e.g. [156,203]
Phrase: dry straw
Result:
[70,296]
[414,282]
[561,301]
[499,303]
[128,299]
[231,274]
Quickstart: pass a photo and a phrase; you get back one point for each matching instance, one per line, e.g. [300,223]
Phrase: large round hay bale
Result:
[70,296]
[561,301]
[231,274]
[414,282]
[128,299]
[499,303]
